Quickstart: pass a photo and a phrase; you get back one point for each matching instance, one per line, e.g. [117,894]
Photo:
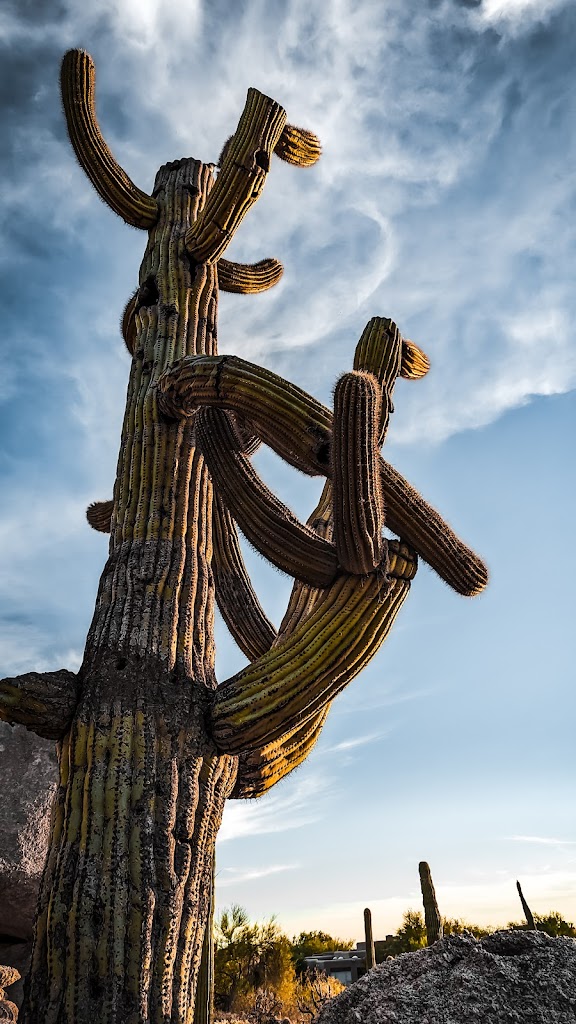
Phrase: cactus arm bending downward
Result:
[44,702]
[110,181]
[298,678]
[267,523]
[299,428]
[237,601]
[248,278]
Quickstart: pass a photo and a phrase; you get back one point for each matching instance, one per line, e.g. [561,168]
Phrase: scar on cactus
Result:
[150,746]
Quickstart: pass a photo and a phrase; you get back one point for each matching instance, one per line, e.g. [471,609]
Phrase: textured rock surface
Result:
[510,976]
[28,770]
[8,1009]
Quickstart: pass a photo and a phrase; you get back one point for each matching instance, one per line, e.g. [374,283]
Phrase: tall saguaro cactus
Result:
[150,747]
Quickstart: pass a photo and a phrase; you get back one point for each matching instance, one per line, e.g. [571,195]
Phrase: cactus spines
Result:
[369,940]
[150,746]
[99,515]
[266,522]
[237,601]
[527,912]
[263,767]
[248,278]
[357,493]
[44,702]
[432,919]
[298,146]
[299,676]
[415,362]
[241,180]
[110,181]
[299,429]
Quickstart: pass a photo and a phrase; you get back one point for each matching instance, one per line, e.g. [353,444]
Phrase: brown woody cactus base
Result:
[150,746]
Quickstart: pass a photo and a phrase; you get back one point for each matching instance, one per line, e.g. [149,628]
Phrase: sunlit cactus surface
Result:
[150,746]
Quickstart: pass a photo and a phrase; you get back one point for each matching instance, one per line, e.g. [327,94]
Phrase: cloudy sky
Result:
[444,199]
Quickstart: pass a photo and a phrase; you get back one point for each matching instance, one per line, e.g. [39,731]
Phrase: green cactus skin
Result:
[266,522]
[370,953]
[149,746]
[99,515]
[248,278]
[44,702]
[110,181]
[527,912]
[357,495]
[241,180]
[299,429]
[235,596]
[298,146]
[299,676]
[433,921]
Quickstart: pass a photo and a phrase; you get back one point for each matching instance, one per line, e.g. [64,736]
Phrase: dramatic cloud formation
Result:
[445,199]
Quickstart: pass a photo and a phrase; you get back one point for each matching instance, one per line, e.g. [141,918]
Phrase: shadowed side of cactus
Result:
[150,746]
[433,921]
[527,912]
[369,940]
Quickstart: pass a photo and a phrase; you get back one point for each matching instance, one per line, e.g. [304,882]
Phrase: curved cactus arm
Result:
[265,521]
[301,676]
[42,701]
[284,416]
[111,183]
[357,502]
[304,597]
[242,177]
[262,768]
[237,601]
[299,429]
[298,146]
[99,515]
[248,278]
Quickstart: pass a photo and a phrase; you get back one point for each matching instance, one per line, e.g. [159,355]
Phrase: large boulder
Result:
[525,977]
[29,773]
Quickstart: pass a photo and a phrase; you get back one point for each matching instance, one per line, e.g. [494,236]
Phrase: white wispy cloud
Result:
[356,741]
[237,876]
[301,804]
[544,840]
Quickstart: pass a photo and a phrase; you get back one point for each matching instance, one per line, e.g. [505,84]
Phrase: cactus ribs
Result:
[150,746]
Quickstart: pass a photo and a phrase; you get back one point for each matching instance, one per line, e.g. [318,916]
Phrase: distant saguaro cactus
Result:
[527,912]
[369,940]
[150,747]
[433,921]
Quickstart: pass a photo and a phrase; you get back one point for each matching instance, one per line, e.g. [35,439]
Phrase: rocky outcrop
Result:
[8,1009]
[510,976]
[28,770]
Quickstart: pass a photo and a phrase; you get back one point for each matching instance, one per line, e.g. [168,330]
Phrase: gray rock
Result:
[28,774]
[510,976]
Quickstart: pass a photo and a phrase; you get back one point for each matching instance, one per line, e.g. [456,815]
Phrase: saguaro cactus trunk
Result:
[150,746]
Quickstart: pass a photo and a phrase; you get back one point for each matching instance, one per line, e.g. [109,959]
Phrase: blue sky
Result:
[444,199]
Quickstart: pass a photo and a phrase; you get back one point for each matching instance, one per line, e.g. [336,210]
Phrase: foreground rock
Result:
[510,976]
[29,773]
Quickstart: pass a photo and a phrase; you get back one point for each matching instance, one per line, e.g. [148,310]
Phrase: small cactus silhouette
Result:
[150,746]
[434,929]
